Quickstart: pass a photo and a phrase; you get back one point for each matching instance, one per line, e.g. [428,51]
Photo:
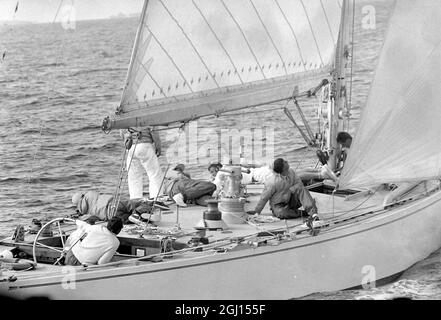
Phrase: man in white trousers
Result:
[143,155]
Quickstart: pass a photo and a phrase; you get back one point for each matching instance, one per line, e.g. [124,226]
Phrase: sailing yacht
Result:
[194,59]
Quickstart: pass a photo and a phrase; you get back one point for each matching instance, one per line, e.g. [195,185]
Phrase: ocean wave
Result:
[105,54]
[34,180]
[30,131]
[32,202]
[107,146]
[83,129]
[52,64]
[74,156]
[63,102]
[31,103]
[8,179]
[81,72]
[27,94]
[403,289]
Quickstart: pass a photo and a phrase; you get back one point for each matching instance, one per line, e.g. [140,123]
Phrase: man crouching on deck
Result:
[286,194]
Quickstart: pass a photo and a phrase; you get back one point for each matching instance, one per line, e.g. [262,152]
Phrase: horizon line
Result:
[122,16]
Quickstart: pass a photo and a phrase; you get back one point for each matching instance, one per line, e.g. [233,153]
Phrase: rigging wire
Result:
[327,21]
[352,63]
[293,33]
[58,10]
[218,40]
[190,42]
[269,36]
[312,32]
[170,58]
[244,37]
[121,180]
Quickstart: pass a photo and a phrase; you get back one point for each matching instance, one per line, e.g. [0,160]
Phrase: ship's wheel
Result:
[58,222]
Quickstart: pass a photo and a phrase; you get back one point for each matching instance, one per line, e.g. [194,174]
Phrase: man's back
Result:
[277,189]
[97,247]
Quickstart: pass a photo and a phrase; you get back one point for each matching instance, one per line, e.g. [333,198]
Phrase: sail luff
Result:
[134,51]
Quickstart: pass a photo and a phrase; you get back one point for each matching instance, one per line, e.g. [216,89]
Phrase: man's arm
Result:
[267,193]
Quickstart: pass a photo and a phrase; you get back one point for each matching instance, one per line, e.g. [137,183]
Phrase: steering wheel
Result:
[57,221]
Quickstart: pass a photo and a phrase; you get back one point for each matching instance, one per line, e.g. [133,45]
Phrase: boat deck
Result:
[146,240]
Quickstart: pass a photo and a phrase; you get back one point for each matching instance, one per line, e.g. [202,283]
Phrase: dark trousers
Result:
[300,196]
[193,190]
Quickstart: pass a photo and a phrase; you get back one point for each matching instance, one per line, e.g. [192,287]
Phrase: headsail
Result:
[399,134]
[201,57]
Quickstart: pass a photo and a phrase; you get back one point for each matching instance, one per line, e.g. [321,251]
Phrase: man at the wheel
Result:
[93,244]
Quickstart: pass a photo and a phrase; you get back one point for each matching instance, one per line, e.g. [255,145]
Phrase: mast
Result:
[339,107]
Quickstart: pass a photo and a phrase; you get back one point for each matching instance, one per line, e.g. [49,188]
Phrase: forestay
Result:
[194,58]
[399,134]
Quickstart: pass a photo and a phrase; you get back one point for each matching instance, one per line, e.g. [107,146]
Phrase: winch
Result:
[231,197]
[212,218]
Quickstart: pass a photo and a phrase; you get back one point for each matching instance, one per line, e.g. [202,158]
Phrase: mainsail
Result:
[195,58]
[399,134]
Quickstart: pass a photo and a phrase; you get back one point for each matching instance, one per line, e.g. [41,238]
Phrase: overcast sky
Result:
[45,10]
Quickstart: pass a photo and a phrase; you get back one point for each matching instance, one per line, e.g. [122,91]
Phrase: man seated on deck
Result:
[99,205]
[181,189]
[286,194]
[93,244]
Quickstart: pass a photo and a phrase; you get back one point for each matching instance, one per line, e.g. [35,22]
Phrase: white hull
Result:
[334,260]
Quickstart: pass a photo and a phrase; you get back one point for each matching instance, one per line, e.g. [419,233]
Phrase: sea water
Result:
[56,86]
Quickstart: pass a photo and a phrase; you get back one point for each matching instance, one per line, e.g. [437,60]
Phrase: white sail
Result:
[399,134]
[201,57]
